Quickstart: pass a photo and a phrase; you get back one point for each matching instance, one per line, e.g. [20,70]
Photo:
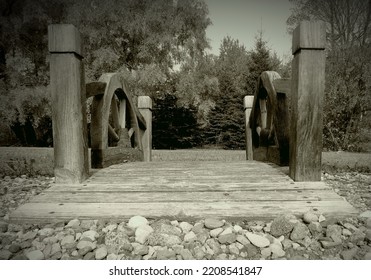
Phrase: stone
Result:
[117,242]
[89,256]
[237,228]
[346,232]
[257,240]
[299,232]
[334,232]
[164,228]
[137,221]
[227,231]
[87,224]
[29,235]
[321,218]
[350,226]
[74,253]
[310,217]
[186,254]
[190,236]
[368,235]
[283,225]
[141,250]
[111,227]
[286,243]
[212,223]
[228,238]
[315,228]
[101,253]
[366,214]
[38,245]
[198,227]
[5,254]
[186,227]
[202,236]
[14,248]
[251,250]
[367,256]
[349,254]
[266,252]
[215,232]
[242,239]
[233,249]
[306,242]
[46,232]
[165,254]
[214,245]
[35,255]
[277,250]
[112,257]
[357,236]
[198,253]
[142,232]
[75,223]
[330,244]
[368,223]
[90,235]
[68,241]
[82,244]
[3,226]
[222,256]
[55,249]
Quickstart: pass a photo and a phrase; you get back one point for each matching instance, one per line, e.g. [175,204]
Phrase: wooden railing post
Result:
[67,82]
[247,104]
[307,90]
[145,108]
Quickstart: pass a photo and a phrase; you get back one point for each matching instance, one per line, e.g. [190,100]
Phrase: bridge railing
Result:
[284,117]
[116,123]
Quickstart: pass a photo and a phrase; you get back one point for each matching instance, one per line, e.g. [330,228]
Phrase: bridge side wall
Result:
[67,82]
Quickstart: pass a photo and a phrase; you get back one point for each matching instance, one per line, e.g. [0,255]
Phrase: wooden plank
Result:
[308,83]
[248,103]
[119,211]
[282,86]
[145,109]
[68,99]
[95,88]
[188,196]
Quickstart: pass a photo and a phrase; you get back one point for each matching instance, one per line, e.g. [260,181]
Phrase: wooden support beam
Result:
[67,83]
[247,104]
[145,108]
[307,90]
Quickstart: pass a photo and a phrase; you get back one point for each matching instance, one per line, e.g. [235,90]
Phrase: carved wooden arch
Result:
[117,100]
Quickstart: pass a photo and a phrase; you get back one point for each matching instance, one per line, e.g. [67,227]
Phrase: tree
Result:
[348,67]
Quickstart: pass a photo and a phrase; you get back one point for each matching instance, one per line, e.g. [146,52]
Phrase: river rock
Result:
[299,232]
[242,239]
[142,232]
[366,214]
[186,254]
[68,241]
[165,254]
[334,232]
[190,236]
[137,221]
[357,236]
[5,254]
[14,248]
[186,227]
[82,244]
[35,255]
[101,253]
[277,250]
[117,242]
[228,238]
[89,235]
[215,232]
[141,250]
[3,226]
[75,223]
[257,240]
[283,225]
[368,223]
[211,223]
[310,217]
[349,254]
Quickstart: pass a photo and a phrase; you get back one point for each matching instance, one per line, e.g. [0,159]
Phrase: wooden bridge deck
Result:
[184,190]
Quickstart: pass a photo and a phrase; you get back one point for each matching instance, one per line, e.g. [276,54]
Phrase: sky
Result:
[243,19]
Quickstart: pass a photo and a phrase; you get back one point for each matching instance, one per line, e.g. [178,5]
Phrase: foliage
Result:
[348,68]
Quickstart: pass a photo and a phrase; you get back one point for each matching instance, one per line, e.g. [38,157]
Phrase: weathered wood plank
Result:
[187,196]
[178,210]
[95,88]
[145,109]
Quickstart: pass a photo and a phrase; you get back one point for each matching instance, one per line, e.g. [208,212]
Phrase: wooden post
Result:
[247,104]
[307,89]
[67,82]
[145,108]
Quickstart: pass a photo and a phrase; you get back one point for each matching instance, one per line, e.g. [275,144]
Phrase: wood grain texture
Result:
[308,82]
[248,102]
[145,108]
[67,83]
[309,35]
[184,190]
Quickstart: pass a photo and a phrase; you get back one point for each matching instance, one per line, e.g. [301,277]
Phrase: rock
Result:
[350,226]
[315,228]
[137,221]
[283,225]
[111,227]
[186,254]
[357,236]
[15,248]
[237,228]
[141,250]
[89,256]
[242,239]
[89,235]
[117,242]
[5,254]
[46,232]
[38,245]
[266,252]
[334,232]
[227,231]
[198,253]
[366,214]
[29,235]
[368,223]
[3,226]
[277,250]
[186,227]
[101,253]
[349,254]
[228,238]
[142,232]
[306,242]
[68,241]
[112,257]
[233,249]
[251,250]
[160,227]
[286,243]
[222,256]
[190,236]
[299,232]
[330,244]
[211,223]
[368,235]
[214,246]
[87,224]
[310,217]
[321,218]
[55,249]
[346,232]
[83,244]
[165,254]
[35,255]
[367,256]
[75,223]
[257,240]
[215,232]
[202,236]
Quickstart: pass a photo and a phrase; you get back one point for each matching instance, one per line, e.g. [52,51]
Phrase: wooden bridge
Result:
[283,126]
